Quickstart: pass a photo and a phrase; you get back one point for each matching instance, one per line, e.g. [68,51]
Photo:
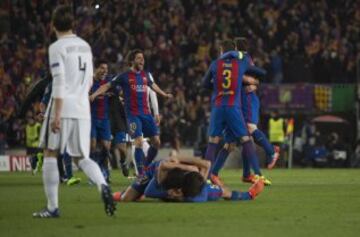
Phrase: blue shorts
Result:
[209,192]
[142,125]
[100,129]
[120,137]
[250,107]
[230,118]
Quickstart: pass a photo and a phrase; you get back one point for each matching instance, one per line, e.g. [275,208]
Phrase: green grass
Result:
[310,202]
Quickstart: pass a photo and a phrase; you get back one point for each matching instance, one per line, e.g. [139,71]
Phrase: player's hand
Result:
[157,119]
[92,98]
[55,125]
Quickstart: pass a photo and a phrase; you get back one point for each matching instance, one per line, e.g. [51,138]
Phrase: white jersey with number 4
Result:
[71,66]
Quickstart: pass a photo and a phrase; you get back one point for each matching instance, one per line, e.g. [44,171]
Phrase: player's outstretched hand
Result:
[91,98]
[55,125]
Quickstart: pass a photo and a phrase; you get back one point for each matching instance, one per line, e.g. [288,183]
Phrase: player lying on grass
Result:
[182,179]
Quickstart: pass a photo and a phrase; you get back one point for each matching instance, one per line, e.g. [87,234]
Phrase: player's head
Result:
[227,45]
[182,184]
[241,44]
[62,19]
[136,59]
[101,69]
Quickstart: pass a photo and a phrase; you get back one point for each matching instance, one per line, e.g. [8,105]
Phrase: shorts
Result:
[229,118]
[250,107]
[142,125]
[74,135]
[100,129]
[121,137]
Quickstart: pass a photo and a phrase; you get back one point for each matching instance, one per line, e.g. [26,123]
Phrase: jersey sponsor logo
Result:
[139,88]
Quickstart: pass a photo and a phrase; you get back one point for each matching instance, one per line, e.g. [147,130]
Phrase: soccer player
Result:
[250,106]
[141,123]
[63,159]
[225,77]
[67,118]
[182,179]
[100,122]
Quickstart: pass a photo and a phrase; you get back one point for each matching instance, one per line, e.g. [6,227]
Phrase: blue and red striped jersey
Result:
[135,87]
[100,106]
[225,77]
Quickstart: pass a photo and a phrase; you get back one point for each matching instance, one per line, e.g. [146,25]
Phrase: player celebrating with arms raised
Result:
[141,123]
[67,119]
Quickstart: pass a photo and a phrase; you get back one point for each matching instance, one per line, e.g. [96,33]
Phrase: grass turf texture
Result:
[309,202]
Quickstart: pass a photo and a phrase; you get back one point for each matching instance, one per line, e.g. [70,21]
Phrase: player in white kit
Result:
[67,119]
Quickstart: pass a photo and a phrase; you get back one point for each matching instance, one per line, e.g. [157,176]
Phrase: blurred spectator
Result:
[316,41]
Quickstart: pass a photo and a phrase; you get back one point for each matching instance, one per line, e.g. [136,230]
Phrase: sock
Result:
[104,162]
[246,164]
[261,140]
[139,160]
[240,196]
[92,170]
[250,154]
[51,182]
[152,152]
[68,165]
[220,161]
[210,152]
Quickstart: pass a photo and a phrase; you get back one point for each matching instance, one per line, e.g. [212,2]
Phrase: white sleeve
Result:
[154,101]
[56,62]
[153,98]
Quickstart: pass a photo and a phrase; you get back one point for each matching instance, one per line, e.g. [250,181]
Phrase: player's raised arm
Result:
[202,165]
[102,90]
[157,89]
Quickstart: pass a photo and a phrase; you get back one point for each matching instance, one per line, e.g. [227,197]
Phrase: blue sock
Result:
[139,159]
[220,161]
[152,152]
[68,165]
[210,152]
[261,140]
[240,196]
[250,153]
[246,164]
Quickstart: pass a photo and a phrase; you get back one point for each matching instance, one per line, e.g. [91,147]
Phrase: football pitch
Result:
[301,202]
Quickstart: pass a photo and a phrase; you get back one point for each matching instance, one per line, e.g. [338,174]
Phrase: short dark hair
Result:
[227,45]
[190,183]
[241,43]
[132,54]
[99,62]
[63,18]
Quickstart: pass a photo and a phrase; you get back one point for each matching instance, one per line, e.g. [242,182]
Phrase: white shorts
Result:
[74,137]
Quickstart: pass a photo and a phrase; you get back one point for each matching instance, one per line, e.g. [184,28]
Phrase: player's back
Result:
[227,77]
[72,56]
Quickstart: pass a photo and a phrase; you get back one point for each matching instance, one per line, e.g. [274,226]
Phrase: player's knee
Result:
[50,153]
[214,140]
[229,147]
[245,139]
[138,142]
[251,127]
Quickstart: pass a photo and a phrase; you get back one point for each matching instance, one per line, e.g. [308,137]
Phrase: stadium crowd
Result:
[296,41]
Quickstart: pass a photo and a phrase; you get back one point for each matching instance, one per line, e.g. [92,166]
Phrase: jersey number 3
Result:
[227,76]
[82,67]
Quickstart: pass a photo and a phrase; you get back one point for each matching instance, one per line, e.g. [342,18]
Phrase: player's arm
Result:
[250,88]
[157,89]
[58,85]
[207,79]
[232,54]
[102,90]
